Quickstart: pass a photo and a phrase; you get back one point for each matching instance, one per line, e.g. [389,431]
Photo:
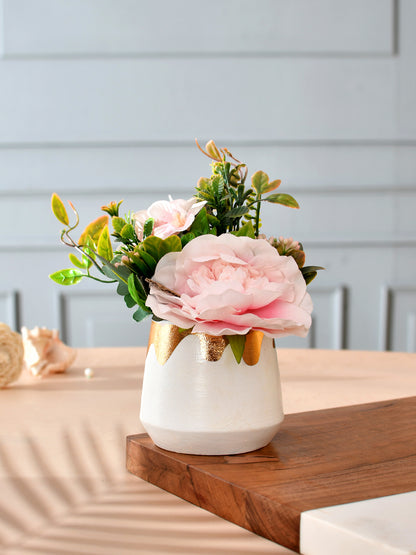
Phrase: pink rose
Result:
[229,285]
[170,216]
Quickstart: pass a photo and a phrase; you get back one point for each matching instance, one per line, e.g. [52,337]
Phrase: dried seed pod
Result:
[11,355]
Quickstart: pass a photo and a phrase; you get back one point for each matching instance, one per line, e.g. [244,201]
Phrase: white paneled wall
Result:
[101,100]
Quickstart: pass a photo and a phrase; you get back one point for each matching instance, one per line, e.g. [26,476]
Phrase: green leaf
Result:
[104,247]
[185,239]
[118,223]
[282,198]
[121,273]
[309,273]
[89,247]
[148,227]
[236,212]
[94,230]
[84,264]
[70,276]
[141,313]
[237,343]
[309,276]
[130,302]
[152,245]
[312,268]
[142,268]
[260,182]
[149,261]
[128,232]
[203,183]
[171,244]
[59,209]
[122,289]
[200,224]
[247,230]
[273,185]
[136,289]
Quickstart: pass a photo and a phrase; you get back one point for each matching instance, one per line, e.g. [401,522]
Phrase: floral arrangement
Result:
[201,263]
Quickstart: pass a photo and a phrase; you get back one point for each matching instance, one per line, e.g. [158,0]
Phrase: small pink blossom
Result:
[170,216]
[230,285]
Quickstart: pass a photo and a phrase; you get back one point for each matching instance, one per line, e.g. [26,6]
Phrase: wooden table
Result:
[63,480]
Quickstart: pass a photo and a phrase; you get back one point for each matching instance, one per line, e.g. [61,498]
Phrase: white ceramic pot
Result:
[197,399]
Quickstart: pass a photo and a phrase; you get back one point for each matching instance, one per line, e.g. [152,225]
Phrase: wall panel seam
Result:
[230,142]
[294,189]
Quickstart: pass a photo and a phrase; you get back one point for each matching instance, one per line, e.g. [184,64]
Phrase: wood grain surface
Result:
[317,459]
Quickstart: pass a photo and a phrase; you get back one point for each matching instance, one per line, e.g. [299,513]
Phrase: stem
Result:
[79,249]
[100,280]
[257,220]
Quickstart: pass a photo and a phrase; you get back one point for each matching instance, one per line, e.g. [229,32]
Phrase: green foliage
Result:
[246,230]
[127,234]
[59,210]
[310,272]
[94,230]
[148,227]
[282,198]
[138,295]
[118,223]
[260,182]
[200,225]
[84,264]
[104,247]
[237,344]
[145,256]
[112,208]
[141,313]
[69,276]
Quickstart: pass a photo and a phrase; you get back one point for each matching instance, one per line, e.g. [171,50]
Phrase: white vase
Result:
[197,399]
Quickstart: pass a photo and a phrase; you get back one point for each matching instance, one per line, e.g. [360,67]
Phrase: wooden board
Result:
[317,459]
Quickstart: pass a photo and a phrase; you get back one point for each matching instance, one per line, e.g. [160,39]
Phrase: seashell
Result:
[45,353]
[11,355]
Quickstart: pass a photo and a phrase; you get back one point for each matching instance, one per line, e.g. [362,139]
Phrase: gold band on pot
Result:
[166,337]
[212,346]
[252,347]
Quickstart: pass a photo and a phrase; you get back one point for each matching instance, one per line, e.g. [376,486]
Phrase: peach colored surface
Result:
[64,487]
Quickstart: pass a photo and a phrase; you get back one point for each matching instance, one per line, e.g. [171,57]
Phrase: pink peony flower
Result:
[170,216]
[229,285]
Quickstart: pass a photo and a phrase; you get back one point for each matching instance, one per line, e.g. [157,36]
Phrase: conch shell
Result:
[44,352]
[11,355]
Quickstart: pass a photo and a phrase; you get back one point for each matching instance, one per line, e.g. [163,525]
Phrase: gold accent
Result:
[212,346]
[252,348]
[166,337]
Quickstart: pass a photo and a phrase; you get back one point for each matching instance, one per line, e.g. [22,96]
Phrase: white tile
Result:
[383,526]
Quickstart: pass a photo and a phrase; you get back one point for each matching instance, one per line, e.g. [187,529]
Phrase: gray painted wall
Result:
[101,100]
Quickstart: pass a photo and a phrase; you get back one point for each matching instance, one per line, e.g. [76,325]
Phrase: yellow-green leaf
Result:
[273,185]
[104,247]
[69,276]
[85,263]
[89,247]
[283,198]
[260,181]
[59,209]
[94,230]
